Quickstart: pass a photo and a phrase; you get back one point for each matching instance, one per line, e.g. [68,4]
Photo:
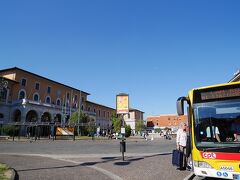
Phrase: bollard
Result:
[123,148]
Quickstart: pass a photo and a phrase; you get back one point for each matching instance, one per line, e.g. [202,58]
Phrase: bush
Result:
[9,129]
[158,130]
[127,130]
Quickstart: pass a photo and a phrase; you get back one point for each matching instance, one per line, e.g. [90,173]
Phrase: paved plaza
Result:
[86,159]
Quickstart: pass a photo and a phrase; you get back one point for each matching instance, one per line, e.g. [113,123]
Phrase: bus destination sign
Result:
[220,94]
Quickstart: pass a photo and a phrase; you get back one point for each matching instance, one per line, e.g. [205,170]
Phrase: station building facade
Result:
[32,98]
[132,118]
[102,113]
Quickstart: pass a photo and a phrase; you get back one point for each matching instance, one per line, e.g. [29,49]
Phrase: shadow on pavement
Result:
[43,168]
[16,177]
[104,160]
[107,158]
[123,163]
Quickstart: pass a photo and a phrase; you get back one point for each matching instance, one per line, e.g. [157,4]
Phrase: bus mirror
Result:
[180,105]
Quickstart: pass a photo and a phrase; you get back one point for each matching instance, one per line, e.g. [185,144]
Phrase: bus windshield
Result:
[217,124]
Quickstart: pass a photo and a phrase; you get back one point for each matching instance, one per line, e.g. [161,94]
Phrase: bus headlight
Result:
[202,164]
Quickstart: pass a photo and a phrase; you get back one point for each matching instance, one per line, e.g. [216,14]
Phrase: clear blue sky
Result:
[154,50]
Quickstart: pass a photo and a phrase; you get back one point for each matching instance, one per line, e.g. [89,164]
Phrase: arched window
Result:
[48,100]
[17,115]
[36,97]
[58,102]
[22,94]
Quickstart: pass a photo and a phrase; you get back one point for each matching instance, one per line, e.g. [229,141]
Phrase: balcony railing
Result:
[62,108]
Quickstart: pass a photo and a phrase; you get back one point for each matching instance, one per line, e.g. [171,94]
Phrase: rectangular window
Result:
[3,95]
[75,98]
[59,93]
[37,85]
[23,82]
[48,89]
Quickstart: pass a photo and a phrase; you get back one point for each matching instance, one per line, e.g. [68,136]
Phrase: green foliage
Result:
[3,170]
[117,123]
[91,128]
[127,130]
[157,130]
[74,118]
[83,118]
[9,129]
[139,126]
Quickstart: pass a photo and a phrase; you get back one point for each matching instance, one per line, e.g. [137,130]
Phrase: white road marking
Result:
[107,173]
[60,158]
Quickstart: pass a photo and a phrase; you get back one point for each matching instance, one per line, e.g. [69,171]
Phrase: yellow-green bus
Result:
[214,121]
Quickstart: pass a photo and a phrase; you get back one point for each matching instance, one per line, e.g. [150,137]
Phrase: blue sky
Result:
[154,50]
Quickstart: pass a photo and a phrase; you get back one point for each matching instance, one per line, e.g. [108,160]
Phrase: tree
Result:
[127,130]
[74,118]
[117,123]
[84,118]
[139,126]
[157,130]
[91,127]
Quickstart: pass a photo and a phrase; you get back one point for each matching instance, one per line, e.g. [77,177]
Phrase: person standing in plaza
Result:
[181,142]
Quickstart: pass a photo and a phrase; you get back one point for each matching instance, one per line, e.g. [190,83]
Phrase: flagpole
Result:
[71,103]
[65,108]
[63,115]
[79,111]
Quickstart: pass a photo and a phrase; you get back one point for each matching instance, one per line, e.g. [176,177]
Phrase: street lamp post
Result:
[122,107]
